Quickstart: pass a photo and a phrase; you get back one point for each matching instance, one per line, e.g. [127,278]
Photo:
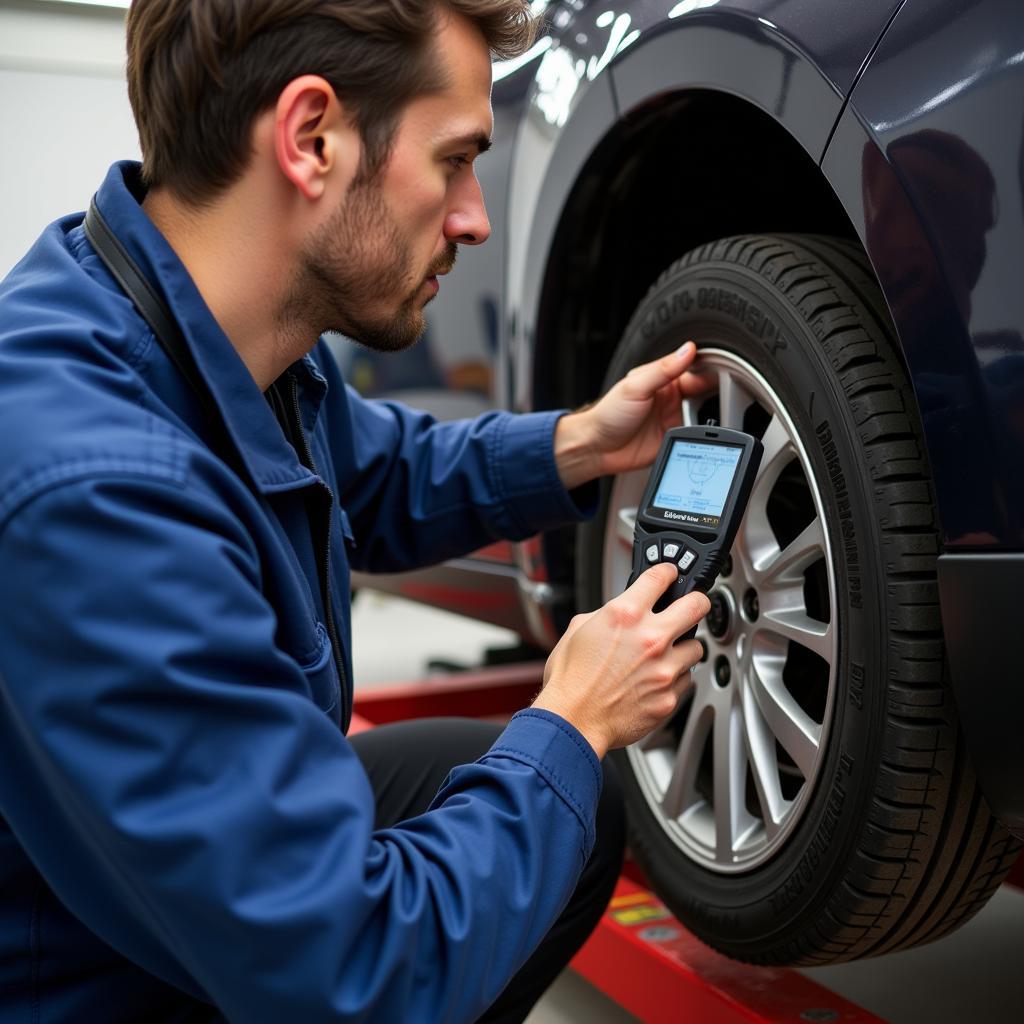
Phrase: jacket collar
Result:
[270,460]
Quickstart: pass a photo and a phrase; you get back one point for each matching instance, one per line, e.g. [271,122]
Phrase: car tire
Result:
[812,800]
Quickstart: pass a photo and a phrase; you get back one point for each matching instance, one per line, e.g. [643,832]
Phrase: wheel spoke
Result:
[657,739]
[625,523]
[618,539]
[730,780]
[787,565]
[690,408]
[764,765]
[733,400]
[774,567]
[798,733]
[681,791]
[783,613]
[756,539]
[778,447]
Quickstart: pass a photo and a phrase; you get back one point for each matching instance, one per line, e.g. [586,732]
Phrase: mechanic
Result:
[185,831]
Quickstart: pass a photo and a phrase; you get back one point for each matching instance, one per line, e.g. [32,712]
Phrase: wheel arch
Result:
[618,205]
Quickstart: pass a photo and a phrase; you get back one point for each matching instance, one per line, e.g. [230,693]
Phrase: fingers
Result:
[682,615]
[650,585]
[690,652]
[682,685]
[692,385]
[683,657]
[647,378]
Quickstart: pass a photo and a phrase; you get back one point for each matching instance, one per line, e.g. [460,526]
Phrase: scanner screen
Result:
[697,478]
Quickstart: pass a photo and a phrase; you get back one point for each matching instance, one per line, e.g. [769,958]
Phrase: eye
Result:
[458,162]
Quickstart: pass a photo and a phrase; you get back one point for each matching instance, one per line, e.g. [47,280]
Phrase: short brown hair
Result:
[200,71]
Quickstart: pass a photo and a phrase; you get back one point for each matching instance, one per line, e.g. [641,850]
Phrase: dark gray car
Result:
[827,197]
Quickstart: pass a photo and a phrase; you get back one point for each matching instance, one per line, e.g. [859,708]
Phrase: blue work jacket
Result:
[185,832]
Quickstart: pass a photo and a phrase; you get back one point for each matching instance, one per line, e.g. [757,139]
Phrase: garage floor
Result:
[974,975]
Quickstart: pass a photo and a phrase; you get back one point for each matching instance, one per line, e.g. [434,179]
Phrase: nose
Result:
[467,222]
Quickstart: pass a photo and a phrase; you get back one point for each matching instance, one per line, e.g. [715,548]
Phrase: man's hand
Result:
[616,674]
[623,430]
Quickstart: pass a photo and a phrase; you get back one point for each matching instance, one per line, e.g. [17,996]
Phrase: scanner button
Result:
[671,550]
[652,553]
[687,560]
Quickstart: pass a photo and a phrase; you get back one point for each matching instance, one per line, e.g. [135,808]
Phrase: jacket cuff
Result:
[526,475]
[558,752]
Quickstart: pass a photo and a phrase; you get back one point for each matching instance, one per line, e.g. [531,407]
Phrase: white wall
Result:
[64,113]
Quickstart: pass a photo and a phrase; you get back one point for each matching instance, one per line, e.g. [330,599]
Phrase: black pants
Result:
[407,763]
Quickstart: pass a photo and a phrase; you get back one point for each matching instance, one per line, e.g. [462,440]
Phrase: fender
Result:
[916,168]
[599,68]
[932,177]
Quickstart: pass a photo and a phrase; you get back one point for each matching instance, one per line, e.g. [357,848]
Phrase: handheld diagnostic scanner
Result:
[693,504]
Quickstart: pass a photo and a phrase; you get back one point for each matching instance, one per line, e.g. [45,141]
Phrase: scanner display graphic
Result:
[697,478]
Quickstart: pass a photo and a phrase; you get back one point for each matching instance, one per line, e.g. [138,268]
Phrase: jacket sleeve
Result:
[185,799]
[417,491]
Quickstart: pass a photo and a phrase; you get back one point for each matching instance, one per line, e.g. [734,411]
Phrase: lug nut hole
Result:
[723,671]
[751,606]
[718,616]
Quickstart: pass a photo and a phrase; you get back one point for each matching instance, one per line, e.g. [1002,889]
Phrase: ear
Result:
[310,134]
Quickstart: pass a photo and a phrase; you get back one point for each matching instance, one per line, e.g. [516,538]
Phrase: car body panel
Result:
[650,49]
[934,184]
[553,154]
[835,45]
[915,162]
[737,48]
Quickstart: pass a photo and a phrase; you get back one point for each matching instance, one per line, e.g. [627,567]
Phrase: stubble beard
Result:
[351,271]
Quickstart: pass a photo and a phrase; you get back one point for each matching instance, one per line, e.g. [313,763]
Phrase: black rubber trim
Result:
[983,618]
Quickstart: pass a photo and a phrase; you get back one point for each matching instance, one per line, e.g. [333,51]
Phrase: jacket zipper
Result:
[323,546]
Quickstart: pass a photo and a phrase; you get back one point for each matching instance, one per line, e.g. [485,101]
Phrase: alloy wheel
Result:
[729,774]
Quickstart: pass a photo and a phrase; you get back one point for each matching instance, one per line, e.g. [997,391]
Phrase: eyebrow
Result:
[478,139]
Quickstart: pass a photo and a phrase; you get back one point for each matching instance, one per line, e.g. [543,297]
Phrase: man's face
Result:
[372,267]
